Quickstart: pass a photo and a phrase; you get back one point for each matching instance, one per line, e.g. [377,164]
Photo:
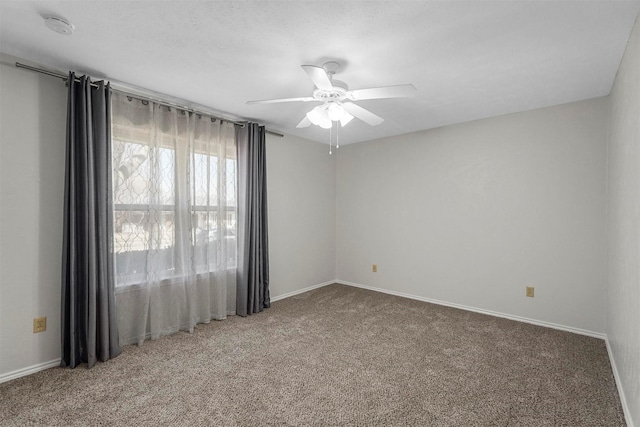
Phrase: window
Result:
[174,192]
[214,227]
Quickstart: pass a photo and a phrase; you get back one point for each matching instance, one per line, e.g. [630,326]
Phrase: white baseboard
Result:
[29,370]
[623,399]
[301,291]
[481,311]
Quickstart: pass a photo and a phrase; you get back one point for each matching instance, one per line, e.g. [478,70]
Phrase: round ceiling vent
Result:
[59,25]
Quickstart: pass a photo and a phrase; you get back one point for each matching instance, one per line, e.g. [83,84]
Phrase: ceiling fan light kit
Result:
[336,98]
[335,111]
[319,117]
[324,115]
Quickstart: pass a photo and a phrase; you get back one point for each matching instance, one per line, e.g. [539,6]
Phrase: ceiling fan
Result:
[336,98]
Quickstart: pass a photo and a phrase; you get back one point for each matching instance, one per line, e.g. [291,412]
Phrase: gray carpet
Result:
[335,356]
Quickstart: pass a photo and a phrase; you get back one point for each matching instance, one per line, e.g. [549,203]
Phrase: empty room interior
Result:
[320,213]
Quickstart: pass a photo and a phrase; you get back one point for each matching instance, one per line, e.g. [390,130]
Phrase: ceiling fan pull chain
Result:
[330,138]
[337,135]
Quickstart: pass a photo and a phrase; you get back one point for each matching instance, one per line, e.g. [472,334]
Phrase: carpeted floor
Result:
[335,356]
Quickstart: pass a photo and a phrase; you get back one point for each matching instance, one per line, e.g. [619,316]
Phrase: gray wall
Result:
[32,145]
[623,320]
[301,185]
[471,214]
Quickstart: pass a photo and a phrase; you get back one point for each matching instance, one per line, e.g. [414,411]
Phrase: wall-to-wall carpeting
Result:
[335,356]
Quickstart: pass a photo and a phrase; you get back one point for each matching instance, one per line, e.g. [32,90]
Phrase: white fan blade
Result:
[304,123]
[274,101]
[399,91]
[346,118]
[364,115]
[318,76]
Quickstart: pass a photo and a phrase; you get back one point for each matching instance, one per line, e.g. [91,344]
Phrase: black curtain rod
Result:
[141,98]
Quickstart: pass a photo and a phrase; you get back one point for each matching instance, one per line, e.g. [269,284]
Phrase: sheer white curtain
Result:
[174,218]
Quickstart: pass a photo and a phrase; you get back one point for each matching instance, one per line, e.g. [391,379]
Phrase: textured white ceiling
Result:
[468,59]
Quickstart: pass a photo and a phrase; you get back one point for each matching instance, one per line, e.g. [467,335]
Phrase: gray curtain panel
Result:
[252,293]
[89,329]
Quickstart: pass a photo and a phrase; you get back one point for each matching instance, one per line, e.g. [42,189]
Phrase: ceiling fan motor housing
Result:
[338,93]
